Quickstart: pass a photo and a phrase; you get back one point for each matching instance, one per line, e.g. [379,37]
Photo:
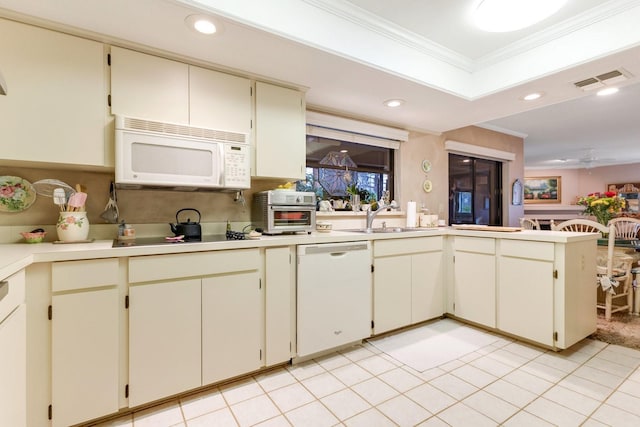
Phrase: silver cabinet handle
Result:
[4,289]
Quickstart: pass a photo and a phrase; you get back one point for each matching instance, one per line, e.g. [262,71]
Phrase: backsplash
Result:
[135,206]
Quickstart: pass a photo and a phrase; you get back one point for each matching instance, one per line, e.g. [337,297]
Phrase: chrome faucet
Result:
[372,214]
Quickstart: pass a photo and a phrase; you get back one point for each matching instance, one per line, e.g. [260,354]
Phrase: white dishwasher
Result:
[334,295]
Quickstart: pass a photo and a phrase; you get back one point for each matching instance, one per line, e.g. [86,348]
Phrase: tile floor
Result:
[506,383]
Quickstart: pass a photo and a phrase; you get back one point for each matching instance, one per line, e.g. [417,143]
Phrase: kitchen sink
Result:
[388,230]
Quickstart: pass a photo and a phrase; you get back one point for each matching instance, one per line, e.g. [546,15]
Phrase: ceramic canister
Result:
[72,226]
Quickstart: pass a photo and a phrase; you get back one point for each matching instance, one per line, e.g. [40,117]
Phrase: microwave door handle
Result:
[222,161]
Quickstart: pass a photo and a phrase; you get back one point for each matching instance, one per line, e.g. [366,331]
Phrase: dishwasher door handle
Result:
[337,254]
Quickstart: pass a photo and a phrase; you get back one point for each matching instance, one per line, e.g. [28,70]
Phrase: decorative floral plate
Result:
[16,194]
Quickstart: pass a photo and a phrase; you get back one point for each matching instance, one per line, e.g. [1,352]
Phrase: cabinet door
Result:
[149,87]
[280,132]
[55,108]
[475,287]
[427,289]
[164,339]
[525,298]
[232,325]
[391,293]
[84,355]
[279,292]
[13,368]
[219,101]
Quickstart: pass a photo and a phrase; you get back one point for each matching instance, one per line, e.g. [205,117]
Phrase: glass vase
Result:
[72,226]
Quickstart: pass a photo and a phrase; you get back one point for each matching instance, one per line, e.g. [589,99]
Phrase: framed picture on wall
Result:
[632,187]
[543,189]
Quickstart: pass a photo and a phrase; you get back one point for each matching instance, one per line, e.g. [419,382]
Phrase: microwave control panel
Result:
[237,165]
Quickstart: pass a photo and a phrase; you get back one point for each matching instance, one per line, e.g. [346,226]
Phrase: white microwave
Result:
[162,155]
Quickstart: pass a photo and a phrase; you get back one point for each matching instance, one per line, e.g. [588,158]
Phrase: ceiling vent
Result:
[602,80]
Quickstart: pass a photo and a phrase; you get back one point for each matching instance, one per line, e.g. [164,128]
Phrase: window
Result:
[475,190]
[333,165]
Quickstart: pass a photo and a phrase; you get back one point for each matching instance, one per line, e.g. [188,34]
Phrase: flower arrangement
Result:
[603,207]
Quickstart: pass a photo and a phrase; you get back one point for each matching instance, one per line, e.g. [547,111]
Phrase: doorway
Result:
[475,190]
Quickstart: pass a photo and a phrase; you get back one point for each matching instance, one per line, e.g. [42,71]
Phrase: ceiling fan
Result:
[589,159]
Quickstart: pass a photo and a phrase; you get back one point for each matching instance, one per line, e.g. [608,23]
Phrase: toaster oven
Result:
[284,211]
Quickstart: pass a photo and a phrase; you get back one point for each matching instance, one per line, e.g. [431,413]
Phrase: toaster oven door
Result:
[291,219]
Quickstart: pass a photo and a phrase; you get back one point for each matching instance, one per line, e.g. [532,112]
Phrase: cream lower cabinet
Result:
[474,279]
[13,351]
[85,340]
[407,282]
[280,314]
[546,291]
[164,339]
[525,289]
[194,319]
[232,326]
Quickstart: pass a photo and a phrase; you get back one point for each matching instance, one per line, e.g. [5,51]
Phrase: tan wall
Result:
[431,147]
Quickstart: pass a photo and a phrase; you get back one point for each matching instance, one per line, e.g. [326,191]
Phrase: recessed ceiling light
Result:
[500,16]
[532,96]
[393,103]
[607,91]
[202,24]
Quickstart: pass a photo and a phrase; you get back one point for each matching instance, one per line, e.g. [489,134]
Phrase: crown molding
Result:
[372,22]
[367,20]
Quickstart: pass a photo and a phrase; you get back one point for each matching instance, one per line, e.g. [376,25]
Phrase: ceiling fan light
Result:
[499,16]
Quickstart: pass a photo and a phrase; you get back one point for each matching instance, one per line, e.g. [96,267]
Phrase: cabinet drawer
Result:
[93,273]
[393,247]
[166,267]
[526,249]
[475,244]
[11,293]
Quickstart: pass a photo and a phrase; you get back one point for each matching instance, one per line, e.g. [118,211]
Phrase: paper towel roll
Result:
[411,214]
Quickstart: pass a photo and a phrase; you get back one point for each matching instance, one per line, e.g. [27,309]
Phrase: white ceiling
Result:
[350,56]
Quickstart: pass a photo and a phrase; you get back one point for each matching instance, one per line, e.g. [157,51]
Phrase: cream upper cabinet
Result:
[148,87]
[280,146]
[55,108]
[474,275]
[220,101]
[159,89]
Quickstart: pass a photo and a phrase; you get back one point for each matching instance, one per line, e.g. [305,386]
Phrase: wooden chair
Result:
[626,228]
[529,224]
[613,270]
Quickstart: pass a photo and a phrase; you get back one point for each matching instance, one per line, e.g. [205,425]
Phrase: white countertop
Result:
[15,256]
